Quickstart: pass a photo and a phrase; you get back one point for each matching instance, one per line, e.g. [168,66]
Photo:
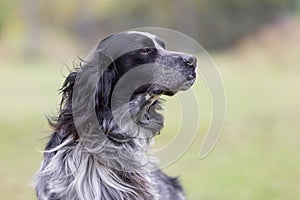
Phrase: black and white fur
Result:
[74,169]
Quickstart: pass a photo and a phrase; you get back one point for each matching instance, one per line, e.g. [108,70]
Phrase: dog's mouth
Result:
[157,89]
[169,89]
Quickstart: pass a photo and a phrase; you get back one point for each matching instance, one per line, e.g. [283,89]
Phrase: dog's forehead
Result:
[121,43]
[145,34]
[147,39]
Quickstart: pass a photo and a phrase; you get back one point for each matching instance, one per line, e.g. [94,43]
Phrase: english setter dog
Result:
[109,114]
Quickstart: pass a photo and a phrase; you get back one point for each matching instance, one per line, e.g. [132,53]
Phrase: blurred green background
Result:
[255,45]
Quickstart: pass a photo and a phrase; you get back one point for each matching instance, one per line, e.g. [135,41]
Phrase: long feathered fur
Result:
[107,160]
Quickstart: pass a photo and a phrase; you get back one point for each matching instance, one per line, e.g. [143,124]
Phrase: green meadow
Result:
[257,156]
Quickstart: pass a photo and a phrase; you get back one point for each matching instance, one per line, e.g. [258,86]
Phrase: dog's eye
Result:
[146,50]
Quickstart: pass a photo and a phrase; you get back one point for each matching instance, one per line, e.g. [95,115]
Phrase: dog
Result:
[109,114]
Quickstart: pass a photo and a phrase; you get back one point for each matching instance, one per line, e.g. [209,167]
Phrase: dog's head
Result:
[169,71]
[130,67]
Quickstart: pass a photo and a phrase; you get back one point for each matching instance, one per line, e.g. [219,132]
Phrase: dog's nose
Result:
[189,60]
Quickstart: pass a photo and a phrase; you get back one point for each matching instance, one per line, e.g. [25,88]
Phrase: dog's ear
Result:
[104,87]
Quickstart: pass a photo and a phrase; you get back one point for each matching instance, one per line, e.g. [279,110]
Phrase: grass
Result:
[256,157]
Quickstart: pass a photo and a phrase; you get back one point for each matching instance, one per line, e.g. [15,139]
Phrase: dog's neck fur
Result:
[75,173]
[76,170]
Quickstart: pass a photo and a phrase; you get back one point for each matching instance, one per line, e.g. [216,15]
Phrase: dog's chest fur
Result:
[70,172]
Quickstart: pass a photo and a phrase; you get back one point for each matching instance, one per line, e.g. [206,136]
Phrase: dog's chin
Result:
[172,91]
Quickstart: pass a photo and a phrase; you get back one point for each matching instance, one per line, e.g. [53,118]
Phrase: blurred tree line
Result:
[214,23]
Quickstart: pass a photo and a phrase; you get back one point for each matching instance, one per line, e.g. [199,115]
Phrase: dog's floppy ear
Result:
[107,73]
[106,82]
